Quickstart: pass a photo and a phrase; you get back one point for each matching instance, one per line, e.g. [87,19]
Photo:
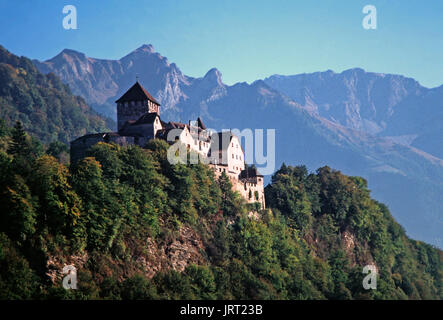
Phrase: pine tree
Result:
[19,145]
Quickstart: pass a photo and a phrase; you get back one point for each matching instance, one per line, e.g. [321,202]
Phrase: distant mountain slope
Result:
[421,118]
[354,98]
[44,105]
[375,103]
[360,104]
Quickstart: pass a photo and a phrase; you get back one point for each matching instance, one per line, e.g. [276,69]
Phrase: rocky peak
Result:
[213,75]
[68,56]
[146,48]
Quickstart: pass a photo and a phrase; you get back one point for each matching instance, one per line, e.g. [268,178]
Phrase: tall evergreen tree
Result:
[19,145]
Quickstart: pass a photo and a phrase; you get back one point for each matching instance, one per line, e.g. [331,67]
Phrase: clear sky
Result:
[245,39]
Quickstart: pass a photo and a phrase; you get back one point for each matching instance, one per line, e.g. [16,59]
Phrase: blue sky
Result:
[246,40]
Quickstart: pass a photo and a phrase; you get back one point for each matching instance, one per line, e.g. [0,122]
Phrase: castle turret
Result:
[135,103]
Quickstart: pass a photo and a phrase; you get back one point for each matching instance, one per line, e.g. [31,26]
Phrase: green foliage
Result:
[343,212]
[19,145]
[138,288]
[58,150]
[17,279]
[288,194]
[231,202]
[59,205]
[128,210]
[42,103]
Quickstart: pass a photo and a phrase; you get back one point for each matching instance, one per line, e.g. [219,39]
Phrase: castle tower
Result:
[135,103]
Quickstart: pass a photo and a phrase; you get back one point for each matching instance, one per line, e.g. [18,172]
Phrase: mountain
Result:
[356,99]
[375,103]
[44,105]
[420,118]
[101,82]
[349,121]
[133,226]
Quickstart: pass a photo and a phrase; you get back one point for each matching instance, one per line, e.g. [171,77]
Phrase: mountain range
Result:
[386,128]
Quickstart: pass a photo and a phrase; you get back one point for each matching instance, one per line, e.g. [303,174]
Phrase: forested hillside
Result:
[42,103]
[136,227]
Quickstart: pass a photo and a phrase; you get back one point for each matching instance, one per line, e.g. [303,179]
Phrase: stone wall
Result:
[249,188]
[80,146]
[243,186]
[127,111]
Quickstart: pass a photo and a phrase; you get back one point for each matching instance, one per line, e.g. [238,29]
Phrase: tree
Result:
[202,282]
[58,203]
[288,194]
[19,144]
[231,201]
[57,149]
[138,288]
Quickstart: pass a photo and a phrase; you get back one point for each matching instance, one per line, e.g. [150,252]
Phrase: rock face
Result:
[187,248]
[386,128]
[177,255]
[91,78]
[356,99]
[101,81]
[56,263]
[374,103]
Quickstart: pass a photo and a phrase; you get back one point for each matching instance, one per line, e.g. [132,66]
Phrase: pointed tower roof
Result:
[136,93]
[201,124]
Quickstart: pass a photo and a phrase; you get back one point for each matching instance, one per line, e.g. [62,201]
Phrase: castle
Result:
[138,121]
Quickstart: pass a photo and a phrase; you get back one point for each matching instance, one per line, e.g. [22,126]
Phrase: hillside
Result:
[362,123]
[42,103]
[137,227]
